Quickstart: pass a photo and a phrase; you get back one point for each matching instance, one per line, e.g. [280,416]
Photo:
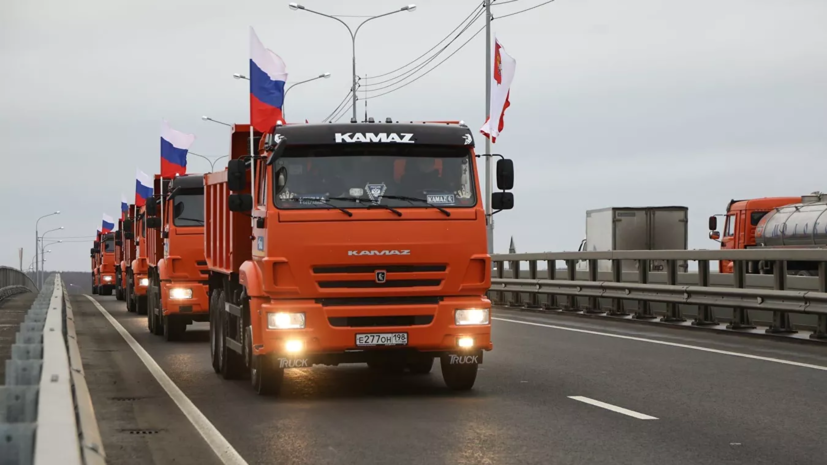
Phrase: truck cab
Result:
[178,281]
[740,220]
[138,276]
[367,245]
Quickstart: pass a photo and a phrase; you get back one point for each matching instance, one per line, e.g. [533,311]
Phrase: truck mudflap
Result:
[457,357]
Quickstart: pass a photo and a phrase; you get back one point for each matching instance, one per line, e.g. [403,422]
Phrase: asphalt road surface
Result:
[554,390]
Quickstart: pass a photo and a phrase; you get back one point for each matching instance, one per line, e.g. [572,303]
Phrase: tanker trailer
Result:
[795,226]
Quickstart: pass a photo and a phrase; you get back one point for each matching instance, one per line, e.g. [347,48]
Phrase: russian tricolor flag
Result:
[143,188]
[124,206]
[108,224]
[174,147]
[268,73]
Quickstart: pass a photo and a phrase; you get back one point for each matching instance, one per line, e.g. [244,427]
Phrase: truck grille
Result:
[365,276]
[371,321]
[376,301]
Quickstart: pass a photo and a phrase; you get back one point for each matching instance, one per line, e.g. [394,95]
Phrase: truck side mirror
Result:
[92,251]
[153,223]
[151,207]
[505,174]
[128,235]
[713,223]
[127,225]
[236,175]
[281,179]
[240,202]
[502,201]
[714,235]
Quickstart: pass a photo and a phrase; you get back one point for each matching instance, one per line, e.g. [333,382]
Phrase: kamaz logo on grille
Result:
[378,252]
[349,137]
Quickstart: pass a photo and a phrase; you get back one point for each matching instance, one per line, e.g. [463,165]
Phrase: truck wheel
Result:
[458,376]
[141,304]
[156,313]
[266,377]
[231,363]
[150,297]
[214,345]
[118,293]
[94,289]
[173,329]
[421,367]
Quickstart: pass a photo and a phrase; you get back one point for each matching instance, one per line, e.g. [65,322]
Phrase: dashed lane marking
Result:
[613,408]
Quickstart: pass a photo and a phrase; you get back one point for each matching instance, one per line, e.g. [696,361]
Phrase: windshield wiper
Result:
[369,205]
[417,199]
[321,201]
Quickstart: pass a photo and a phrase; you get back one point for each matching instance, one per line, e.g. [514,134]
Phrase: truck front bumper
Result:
[330,333]
[198,303]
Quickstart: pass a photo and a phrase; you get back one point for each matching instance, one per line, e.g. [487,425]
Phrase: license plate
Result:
[382,339]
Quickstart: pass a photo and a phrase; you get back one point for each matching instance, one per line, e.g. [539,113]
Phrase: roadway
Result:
[554,390]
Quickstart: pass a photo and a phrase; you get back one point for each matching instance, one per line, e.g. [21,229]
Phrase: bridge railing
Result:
[13,282]
[535,281]
[46,414]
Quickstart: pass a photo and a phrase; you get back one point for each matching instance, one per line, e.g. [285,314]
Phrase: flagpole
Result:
[252,163]
[488,177]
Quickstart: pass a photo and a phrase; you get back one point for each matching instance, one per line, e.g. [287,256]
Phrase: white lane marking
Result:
[613,408]
[217,442]
[673,344]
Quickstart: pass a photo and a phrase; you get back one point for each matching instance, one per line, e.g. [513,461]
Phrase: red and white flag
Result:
[501,76]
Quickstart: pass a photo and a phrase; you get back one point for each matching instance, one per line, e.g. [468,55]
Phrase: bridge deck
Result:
[554,390]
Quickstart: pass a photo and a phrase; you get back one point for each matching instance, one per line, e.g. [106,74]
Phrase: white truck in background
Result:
[635,228]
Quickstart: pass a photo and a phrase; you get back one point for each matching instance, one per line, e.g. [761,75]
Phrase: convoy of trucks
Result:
[771,223]
[331,244]
[635,228]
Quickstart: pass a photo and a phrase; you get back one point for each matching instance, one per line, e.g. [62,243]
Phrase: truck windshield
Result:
[109,246]
[188,209]
[357,176]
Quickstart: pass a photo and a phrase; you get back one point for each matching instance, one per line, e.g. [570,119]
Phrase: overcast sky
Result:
[614,103]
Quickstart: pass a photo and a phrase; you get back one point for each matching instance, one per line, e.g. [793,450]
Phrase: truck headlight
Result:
[471,316]
[285,320]
[180,293]
[144,282]
[107,278]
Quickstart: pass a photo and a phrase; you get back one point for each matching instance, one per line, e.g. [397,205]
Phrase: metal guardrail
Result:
[612,296]
[46,414]
[14,277]
[8,291]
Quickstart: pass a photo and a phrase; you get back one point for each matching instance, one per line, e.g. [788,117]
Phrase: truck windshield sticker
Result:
[375,191]
[441,199]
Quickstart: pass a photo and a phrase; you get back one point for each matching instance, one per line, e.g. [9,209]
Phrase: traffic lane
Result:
[768,412]
[815,353]
[138,421]
[518,412]
[350,414]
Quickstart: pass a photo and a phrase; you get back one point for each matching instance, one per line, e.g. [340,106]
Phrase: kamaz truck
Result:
[350,243]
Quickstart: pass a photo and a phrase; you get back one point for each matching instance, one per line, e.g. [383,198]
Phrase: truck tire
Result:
[231,363]
[141,304]
[214,345]
[94,289]
[118,293]
[157,314]
[421,367]
[265,375]
[459,377]
[150,297]
[173,328]
[128,296]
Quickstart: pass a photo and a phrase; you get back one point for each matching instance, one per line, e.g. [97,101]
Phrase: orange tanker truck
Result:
[367,244]
[177,290]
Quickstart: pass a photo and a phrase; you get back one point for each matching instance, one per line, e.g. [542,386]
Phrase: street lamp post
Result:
[42,263]
[211,162]
[37,241]
[408,8]
[284,104]
[207,118]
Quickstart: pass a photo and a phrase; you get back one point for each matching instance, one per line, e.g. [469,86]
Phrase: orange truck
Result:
[104,280]
[741,221]
[177,290]
[363,243]
[124,251]
[138,273]
[94,253]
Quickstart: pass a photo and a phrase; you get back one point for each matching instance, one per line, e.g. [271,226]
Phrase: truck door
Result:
[728,241]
